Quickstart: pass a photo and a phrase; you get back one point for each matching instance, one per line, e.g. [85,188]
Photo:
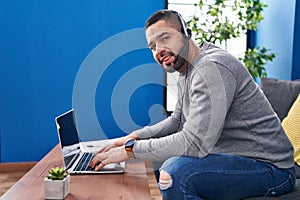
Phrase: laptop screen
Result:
[68,135]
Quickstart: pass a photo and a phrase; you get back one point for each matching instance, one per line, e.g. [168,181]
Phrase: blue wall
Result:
[45,48]
[296,52]
[276,32]
[91,55]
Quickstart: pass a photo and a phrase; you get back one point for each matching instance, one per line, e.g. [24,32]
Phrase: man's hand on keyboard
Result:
[113,155]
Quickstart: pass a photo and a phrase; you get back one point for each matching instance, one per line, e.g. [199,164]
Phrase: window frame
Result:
[250,43]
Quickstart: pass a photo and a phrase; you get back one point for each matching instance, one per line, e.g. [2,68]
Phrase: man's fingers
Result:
[94,162]
[101,165]
[98,158]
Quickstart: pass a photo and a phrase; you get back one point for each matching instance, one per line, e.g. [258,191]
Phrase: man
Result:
[223,141]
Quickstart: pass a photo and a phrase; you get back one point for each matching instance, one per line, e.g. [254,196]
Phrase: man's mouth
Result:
[167,58]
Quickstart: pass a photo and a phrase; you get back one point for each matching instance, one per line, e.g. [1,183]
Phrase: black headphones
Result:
[186,30]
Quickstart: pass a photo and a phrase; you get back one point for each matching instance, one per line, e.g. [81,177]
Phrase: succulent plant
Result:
[57,173]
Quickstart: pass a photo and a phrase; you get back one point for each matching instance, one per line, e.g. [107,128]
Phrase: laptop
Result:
[76,160]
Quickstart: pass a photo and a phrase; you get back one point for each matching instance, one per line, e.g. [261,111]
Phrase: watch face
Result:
[130,143]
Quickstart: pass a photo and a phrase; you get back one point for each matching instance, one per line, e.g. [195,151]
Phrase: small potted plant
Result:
[56,183]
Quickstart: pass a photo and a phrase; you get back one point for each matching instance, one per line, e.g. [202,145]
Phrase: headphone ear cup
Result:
[189,32]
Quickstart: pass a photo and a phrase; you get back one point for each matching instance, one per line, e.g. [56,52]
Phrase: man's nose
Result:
[159,50]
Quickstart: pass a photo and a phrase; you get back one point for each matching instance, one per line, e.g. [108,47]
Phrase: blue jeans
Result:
[223,176]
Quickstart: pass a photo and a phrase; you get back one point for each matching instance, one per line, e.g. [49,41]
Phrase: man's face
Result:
[165,43]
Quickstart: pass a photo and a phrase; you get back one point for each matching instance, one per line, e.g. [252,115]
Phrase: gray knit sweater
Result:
[220,109]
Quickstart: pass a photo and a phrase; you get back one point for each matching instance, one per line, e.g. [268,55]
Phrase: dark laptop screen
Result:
[67,129]
[68,137]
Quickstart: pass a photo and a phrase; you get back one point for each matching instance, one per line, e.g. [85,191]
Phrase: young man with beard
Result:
[223,141]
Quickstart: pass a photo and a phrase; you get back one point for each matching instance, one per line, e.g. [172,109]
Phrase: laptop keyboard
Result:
[83,164]
[68,159]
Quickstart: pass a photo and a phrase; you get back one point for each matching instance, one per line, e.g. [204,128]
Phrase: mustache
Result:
[167,53]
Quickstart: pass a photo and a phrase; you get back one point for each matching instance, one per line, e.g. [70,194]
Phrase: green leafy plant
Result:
[215,24]
[57,173]
[255,59]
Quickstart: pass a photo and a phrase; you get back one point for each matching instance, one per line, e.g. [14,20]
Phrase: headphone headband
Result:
[186,30]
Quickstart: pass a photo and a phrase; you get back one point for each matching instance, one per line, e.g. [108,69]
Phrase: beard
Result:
[173,67]
[179,60]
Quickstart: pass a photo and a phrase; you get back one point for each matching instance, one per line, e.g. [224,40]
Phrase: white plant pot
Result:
[56,189]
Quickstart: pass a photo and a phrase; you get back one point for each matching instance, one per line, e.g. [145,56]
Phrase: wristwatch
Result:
[128,147]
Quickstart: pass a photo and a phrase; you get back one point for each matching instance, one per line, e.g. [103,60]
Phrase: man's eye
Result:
[165,39]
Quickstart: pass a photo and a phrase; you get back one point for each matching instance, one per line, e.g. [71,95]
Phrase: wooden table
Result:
[131,185]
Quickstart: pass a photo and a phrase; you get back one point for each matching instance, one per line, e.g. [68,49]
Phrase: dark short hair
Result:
[170,16]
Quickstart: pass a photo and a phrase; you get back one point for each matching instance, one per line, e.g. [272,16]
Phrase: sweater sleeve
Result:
[201,131]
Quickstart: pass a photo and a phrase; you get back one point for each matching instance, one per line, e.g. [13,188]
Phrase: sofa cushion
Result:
[281,94]
[295,194]
[291,125]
